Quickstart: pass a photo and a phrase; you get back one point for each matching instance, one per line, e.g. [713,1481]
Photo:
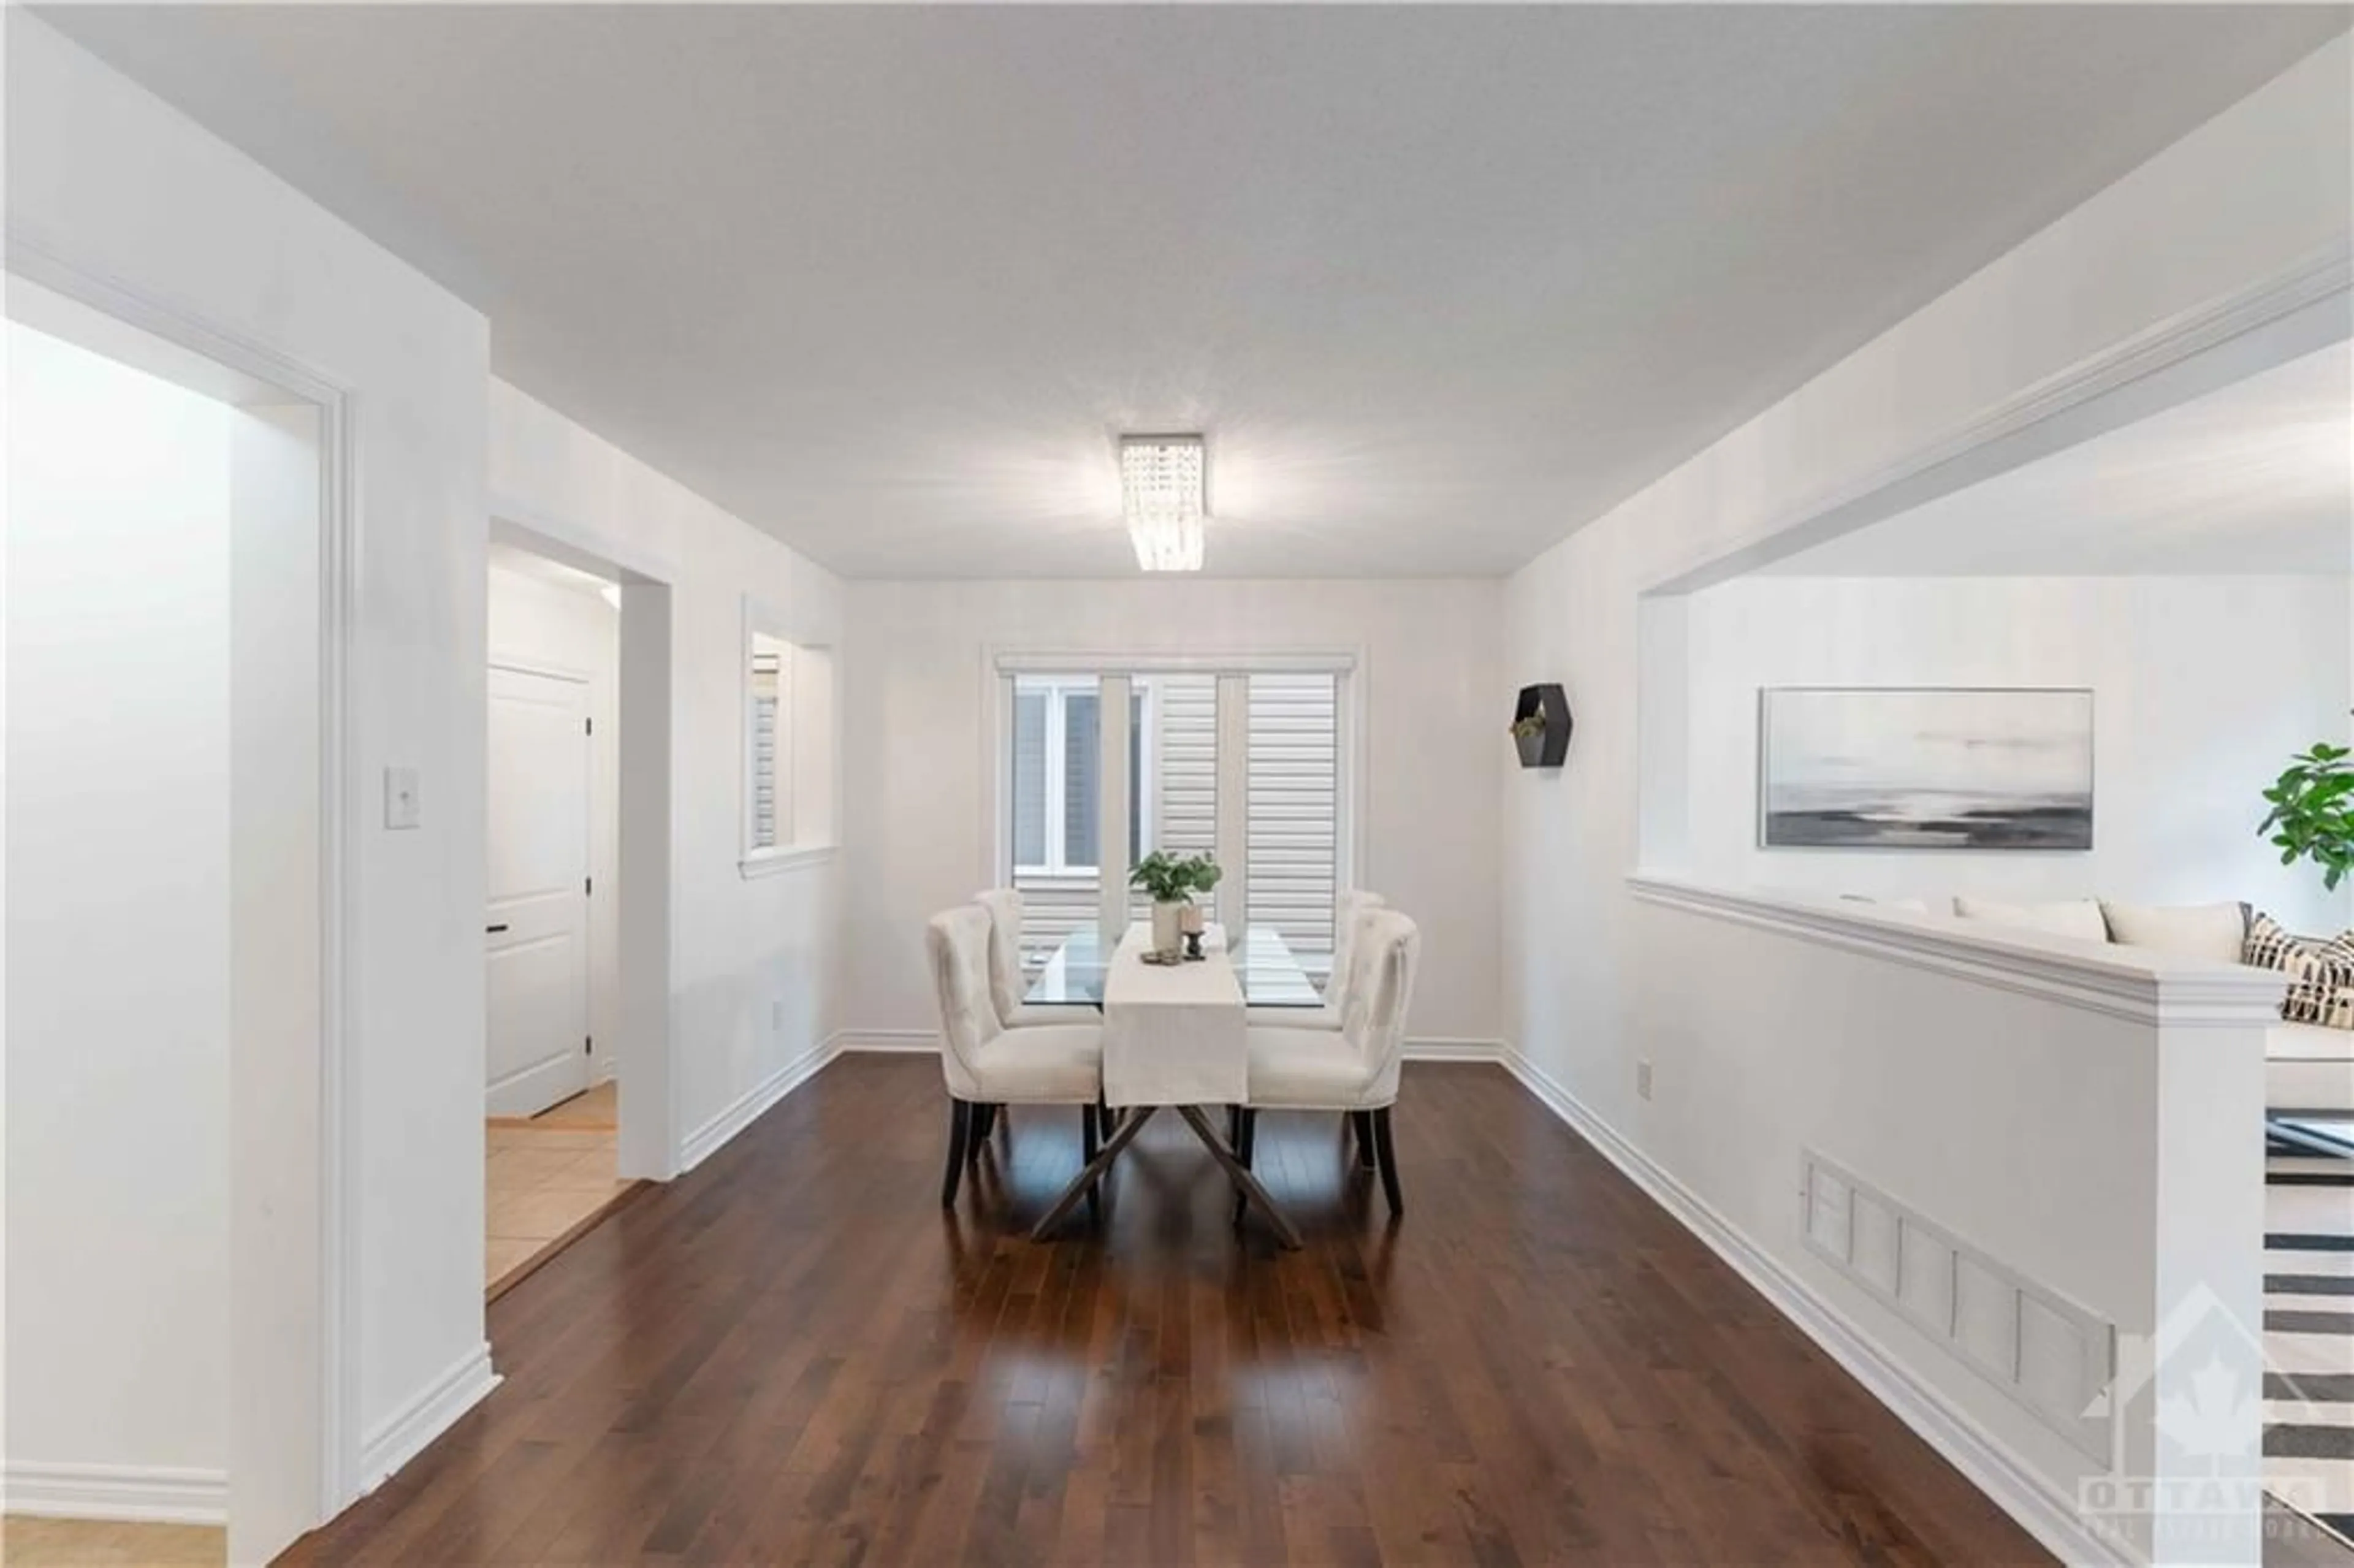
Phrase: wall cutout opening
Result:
[789,745]
[2134,576]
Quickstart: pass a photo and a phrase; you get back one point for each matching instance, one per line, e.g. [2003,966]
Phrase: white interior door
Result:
[536,929]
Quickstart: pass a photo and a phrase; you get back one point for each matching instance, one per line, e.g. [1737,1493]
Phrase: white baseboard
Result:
[1444,1050]
[432,1412]
[143,1494]
[2041,1509]
[926,1042]
[706,1140]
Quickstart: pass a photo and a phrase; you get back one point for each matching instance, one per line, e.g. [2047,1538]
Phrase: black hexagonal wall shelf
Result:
[1545,743]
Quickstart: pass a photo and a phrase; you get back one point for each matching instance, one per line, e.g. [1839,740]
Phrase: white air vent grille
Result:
[2051,1355]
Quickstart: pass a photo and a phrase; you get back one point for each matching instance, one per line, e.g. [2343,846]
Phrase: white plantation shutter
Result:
[767,688]
[1183,786]
[1285,775]
[1292,824]
[1186,805]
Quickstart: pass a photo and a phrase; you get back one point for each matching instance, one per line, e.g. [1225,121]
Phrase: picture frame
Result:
[2001,768]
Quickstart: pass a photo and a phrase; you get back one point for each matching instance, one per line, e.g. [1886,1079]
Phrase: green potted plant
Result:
[2312,815]
[1170,881]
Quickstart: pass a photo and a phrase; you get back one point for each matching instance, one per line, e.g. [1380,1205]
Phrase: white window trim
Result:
[777,858]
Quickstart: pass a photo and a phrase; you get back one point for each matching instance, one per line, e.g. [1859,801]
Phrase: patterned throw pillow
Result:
[2320,972]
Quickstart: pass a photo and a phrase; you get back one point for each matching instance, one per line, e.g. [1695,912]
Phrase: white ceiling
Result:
[2255,479]
[1440,283]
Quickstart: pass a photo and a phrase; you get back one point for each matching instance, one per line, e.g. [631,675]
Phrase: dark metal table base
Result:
[1125,1134]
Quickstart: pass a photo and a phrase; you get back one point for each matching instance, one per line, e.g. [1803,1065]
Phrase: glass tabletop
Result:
[1271,974]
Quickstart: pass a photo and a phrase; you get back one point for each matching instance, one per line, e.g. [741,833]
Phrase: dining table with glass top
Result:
[1173,1038]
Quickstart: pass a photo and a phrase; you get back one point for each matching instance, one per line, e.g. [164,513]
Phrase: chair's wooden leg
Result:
[983,1118]
[1387,1151]
[959,1132]
[1245,1140]
[1089,1126]
[1362,1124]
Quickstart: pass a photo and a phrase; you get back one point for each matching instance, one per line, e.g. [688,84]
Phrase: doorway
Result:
[537,882]
[552,1096]
[172,828]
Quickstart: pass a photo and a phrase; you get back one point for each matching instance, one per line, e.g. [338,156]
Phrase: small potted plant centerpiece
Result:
[1171,880]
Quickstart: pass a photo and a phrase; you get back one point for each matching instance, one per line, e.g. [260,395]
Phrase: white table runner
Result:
[1172,1034]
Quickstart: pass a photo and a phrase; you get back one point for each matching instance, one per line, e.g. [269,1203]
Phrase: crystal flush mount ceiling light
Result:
[1162,487]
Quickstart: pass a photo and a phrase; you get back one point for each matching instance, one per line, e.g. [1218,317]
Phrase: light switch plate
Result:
[401,804]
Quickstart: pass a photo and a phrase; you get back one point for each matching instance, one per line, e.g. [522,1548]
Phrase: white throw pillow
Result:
[2212,933]
[2077,918]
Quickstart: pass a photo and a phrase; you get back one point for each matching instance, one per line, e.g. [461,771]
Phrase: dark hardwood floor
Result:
[794,1355]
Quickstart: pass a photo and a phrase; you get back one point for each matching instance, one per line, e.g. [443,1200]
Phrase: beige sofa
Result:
[2307,1068]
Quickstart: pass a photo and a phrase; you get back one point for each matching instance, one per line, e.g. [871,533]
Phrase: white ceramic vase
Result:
[1168,928]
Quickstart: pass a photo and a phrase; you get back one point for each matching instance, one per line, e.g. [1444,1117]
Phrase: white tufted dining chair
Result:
[1353,1070]
[986,1064]
[1347,910]
[1006,984]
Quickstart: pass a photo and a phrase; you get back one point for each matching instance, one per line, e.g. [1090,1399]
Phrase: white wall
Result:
[1434,702]
[108,180]
[2255,193]
[2184,738]
[537,624]
[118,1019]
[752,959]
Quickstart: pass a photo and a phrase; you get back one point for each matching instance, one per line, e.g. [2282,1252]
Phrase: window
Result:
[1250,757]
[1292,815]
[788,747]
[1057,773]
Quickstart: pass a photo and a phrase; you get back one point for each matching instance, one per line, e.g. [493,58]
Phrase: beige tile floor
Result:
[99,1544]
[549,1179]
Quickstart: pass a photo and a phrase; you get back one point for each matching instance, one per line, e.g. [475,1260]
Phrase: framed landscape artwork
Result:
[1925,767]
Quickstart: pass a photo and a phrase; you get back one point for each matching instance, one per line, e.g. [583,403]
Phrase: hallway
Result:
[792,1353]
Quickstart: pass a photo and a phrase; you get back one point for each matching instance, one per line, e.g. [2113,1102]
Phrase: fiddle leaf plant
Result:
[1169,878]
[2312,815]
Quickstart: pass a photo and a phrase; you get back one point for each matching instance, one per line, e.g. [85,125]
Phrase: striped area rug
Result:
[2309,1331]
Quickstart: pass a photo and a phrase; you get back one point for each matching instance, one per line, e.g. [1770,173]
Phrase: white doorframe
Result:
[644,1065]
[309,1437]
